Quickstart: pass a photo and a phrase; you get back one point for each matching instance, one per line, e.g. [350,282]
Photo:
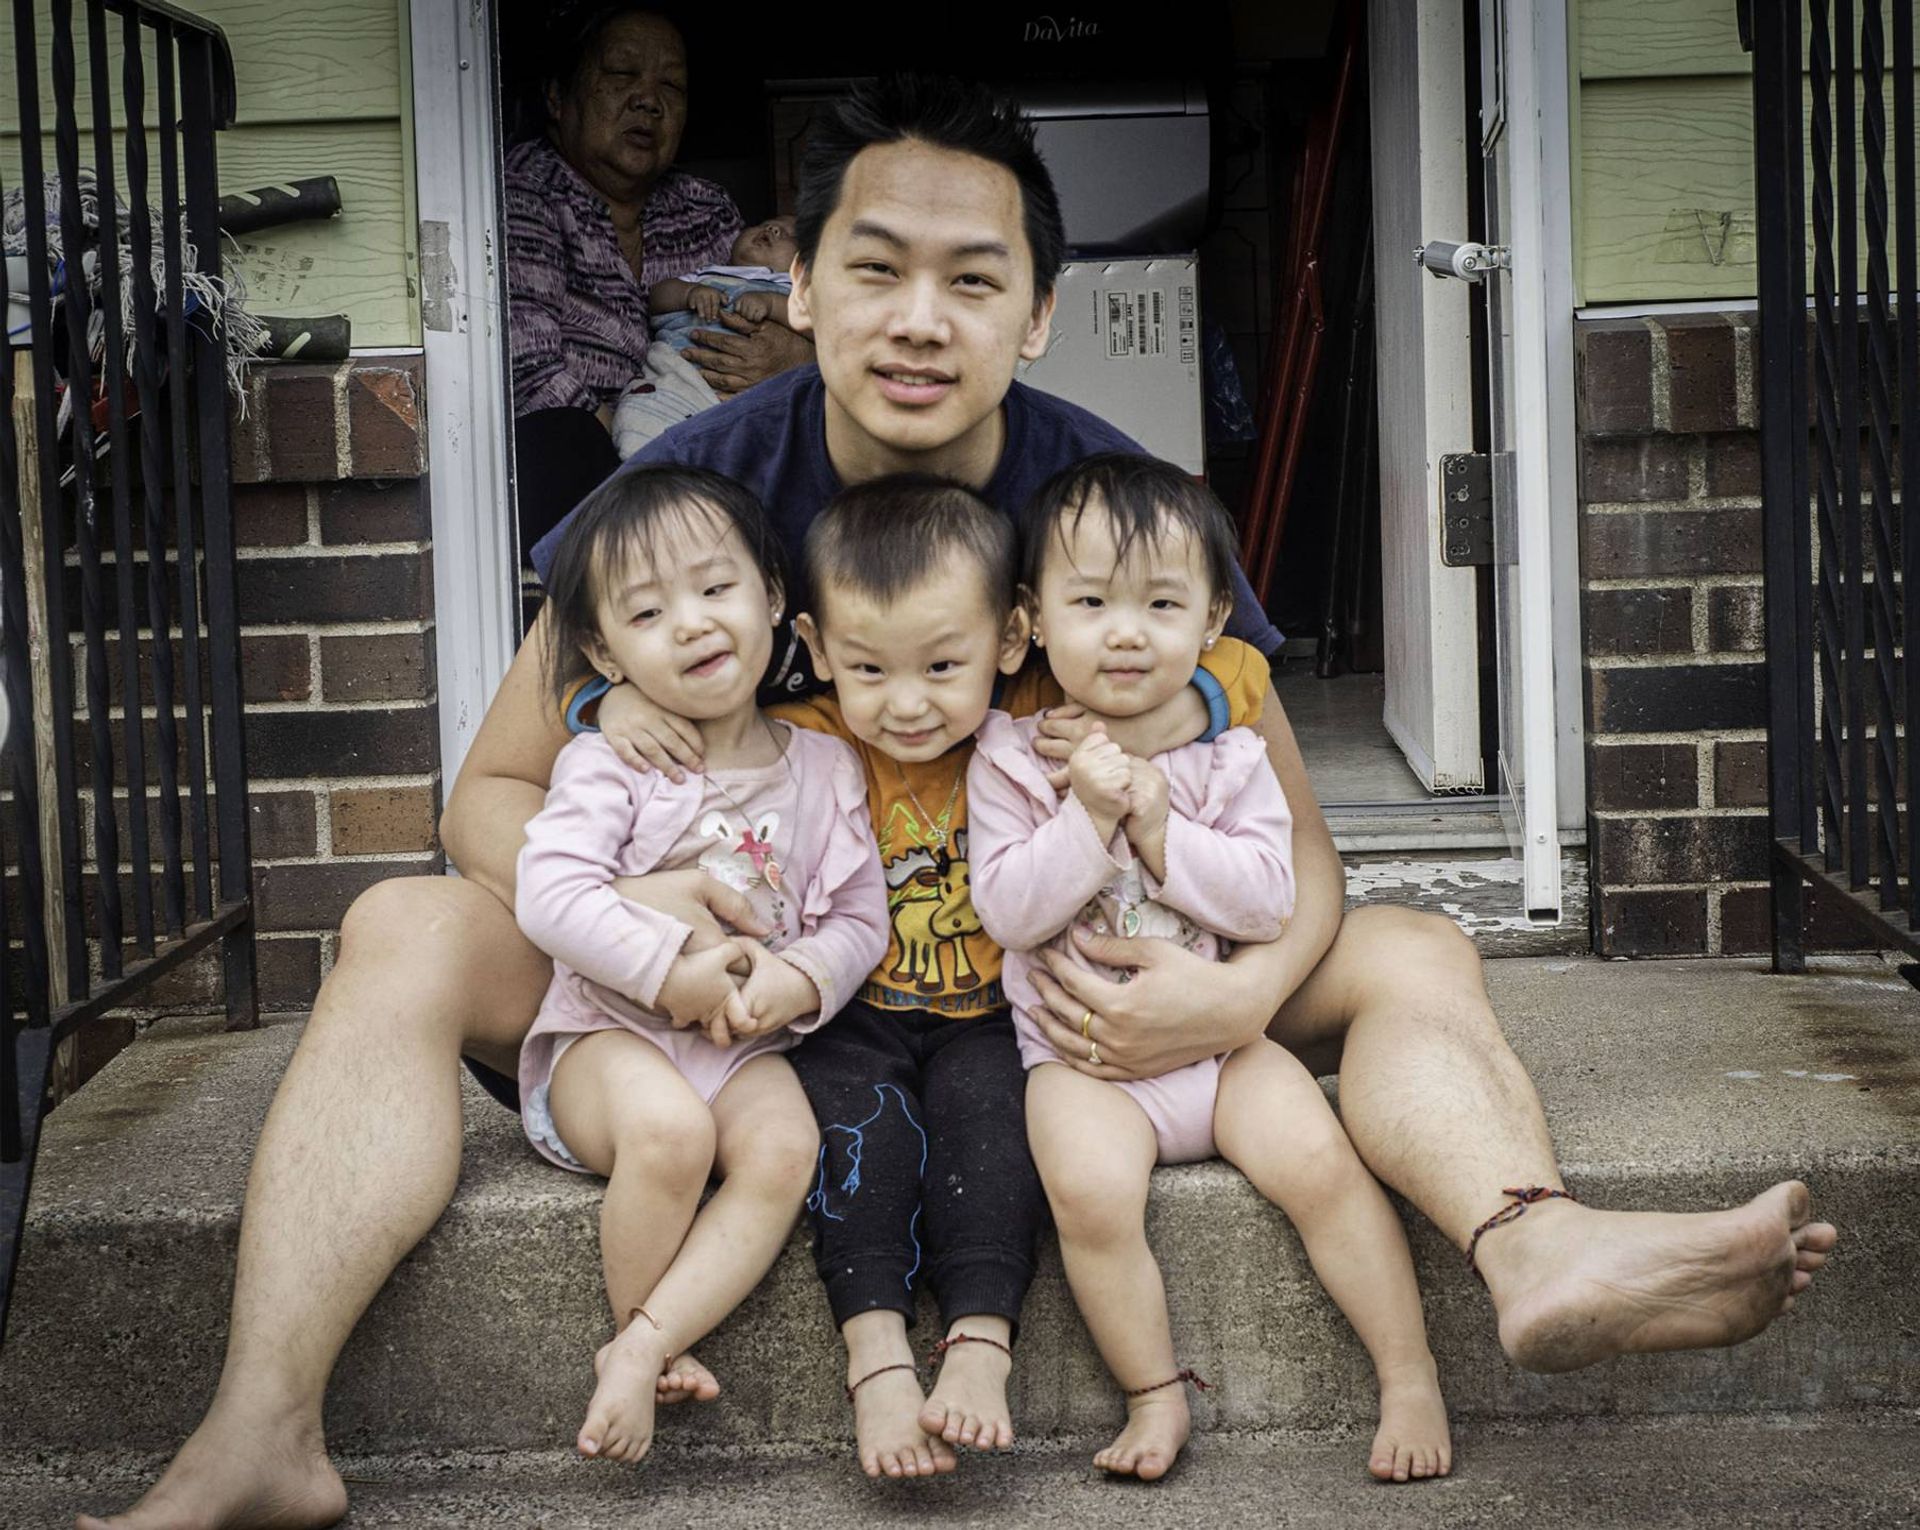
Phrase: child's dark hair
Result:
[1144,498]
[623,519]
[883,538]
[947,113]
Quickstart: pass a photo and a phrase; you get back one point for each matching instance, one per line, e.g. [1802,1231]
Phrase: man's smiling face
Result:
[920,300]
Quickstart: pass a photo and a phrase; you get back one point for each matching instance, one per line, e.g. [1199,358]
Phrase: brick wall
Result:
[1670,568]
[336,611]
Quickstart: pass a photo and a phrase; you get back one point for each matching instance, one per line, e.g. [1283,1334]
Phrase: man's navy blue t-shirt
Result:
[773,439]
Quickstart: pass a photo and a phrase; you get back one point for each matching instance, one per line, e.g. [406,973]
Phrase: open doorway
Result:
[1387,673]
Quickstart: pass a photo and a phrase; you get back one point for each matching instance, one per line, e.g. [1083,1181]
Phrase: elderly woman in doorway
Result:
[596,215]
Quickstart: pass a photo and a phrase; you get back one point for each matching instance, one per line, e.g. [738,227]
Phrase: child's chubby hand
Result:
[1146,799]
[1062,730]
[647,737]
[701,990]
[753,306]
[1101,777]
[706,301]
[775,993]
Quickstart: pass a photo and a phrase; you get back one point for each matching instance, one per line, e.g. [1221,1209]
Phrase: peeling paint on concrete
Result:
[1483,895]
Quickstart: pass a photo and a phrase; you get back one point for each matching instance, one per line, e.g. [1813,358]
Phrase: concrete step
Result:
[1590,1474]
[1674,1085]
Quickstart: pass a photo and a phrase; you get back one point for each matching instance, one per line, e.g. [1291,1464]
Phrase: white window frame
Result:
[464,331]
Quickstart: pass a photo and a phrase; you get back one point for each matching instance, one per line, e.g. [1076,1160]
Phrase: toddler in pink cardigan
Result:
[1127,565]
[652,1062]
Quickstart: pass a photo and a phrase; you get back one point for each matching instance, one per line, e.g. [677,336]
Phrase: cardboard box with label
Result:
[1126,345]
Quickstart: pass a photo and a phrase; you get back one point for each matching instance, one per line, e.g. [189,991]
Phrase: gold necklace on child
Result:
[936,827]
[756,849]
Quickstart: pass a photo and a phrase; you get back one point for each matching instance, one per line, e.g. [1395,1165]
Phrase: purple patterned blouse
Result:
[578,319]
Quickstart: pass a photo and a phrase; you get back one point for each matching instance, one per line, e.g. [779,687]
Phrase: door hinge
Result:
[1466,509]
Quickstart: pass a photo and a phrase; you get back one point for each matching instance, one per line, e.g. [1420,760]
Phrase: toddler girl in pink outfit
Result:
[652,1062]
[1127,564]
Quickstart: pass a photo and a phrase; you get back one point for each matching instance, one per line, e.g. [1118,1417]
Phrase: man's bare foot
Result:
[886,1423]
[968,1405]
[1412,1441]
[235,1471]
[1157,1427]
[686,1378]
[1575,1286]
[619,1422]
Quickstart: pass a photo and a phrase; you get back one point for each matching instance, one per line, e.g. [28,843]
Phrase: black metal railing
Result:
[114,392]
[1839,444]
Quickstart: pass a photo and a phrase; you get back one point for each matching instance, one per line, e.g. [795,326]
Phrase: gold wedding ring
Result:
[1086,1025]
[1093,1053]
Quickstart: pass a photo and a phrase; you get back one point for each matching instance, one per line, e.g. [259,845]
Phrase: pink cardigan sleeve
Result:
[564,898]
[1032,864]
[1230,866]
[843,914]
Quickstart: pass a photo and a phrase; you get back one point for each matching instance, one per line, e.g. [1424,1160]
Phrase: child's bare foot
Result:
[886,1422]
[686,1378]
[1412,1441]
[619,1423]
[1157,1427]
[968,1405]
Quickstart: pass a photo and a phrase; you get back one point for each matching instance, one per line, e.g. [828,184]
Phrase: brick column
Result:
[1670,555]
[336,612]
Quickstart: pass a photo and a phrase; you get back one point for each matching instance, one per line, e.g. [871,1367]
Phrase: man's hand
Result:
[1100,776]
[1146,821]
[733,359]
[775,993]
[706,905]
[647,737]
[706,301]
[702,990]
[1176,1009]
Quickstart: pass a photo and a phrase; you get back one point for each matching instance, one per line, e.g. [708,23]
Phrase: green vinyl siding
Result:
[322,88]
[1664,152]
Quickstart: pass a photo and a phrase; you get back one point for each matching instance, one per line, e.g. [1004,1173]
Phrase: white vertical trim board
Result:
[1531,627]
[464,330]
[1554,78]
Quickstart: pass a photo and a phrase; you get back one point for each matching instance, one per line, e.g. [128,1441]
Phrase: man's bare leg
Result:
[358,1158]
[1441,1110]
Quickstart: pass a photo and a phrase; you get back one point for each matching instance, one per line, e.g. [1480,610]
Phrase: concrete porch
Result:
[1668,1085]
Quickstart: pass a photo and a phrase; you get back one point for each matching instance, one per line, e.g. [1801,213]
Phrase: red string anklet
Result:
[1172,1381]
[898,1365]
[1522,1199]
[933,1355]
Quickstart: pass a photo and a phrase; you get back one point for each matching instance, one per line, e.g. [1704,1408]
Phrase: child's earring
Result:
[1039,641]
[1210,642]
[777,614]
[613,676]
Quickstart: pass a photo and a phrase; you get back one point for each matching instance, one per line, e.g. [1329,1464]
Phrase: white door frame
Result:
[463,325]
[1532,43]
[1554,74]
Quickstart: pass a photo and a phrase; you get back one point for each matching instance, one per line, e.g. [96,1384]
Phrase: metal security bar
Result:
[1839,445]
[114,395]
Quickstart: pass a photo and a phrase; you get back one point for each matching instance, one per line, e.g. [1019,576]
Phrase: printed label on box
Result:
[1137,322]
